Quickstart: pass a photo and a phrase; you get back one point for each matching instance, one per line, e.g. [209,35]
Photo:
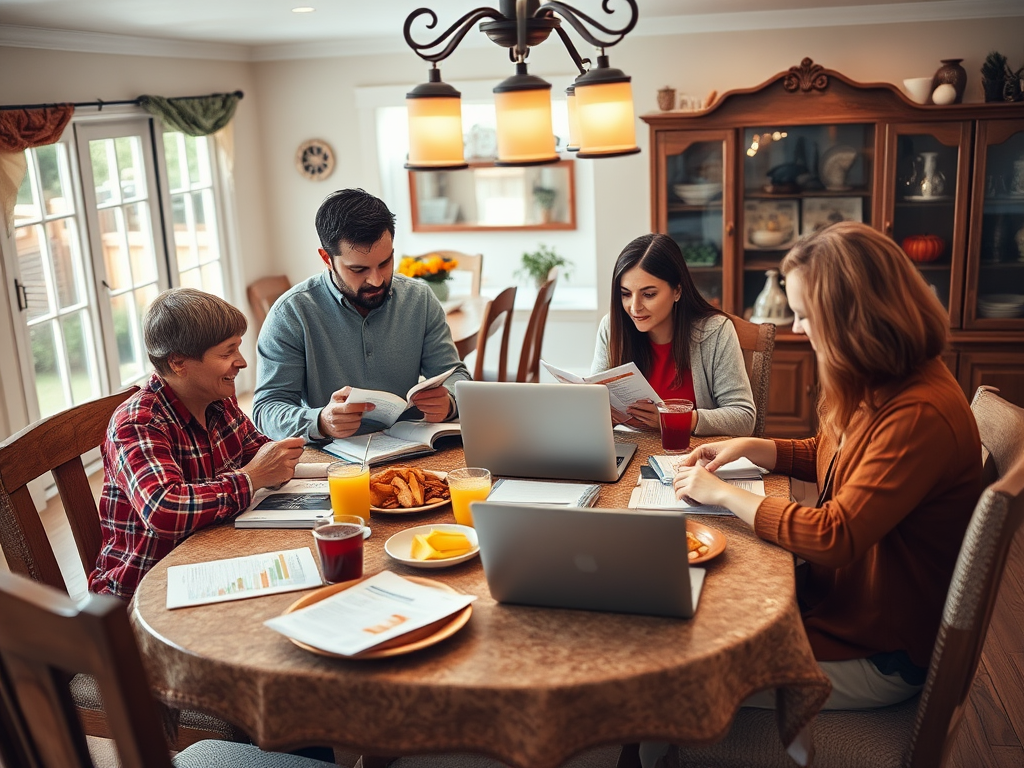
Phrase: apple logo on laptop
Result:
[586,563]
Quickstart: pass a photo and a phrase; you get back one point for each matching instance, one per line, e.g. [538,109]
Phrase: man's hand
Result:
[274,463]
[434,403]
[340,418]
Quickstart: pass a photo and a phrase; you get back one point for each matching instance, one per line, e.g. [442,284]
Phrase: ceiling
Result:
[269,29]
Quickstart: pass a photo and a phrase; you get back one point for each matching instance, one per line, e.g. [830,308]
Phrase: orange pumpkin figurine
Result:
[923,248]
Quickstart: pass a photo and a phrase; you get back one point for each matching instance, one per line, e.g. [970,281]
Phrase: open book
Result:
[651,493]
[625,384]
[296,504]
[405,439]
[388,407]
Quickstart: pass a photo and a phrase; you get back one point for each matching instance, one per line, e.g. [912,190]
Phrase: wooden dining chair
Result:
[46,637]
[57,444]
[529,358]
[920,732]
[497,317]
[263,293]
[757,340]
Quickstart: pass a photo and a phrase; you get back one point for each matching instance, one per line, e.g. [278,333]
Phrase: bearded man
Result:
[356,324]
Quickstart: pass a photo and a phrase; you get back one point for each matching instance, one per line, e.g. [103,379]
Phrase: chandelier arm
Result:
[573,53]
[459,29]
[577,19]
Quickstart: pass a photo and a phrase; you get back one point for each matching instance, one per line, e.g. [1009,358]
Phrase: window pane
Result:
[49,389]
[173,155]
[192,278]
[194,173]
[33,275]
[126,334]
[77,345]
[212,279]
[206,226]
[140,243]
[130,172]
[184,245]
[66,277]
[144,297]
[26,208]
[115,253]
[99,153]
[53,179]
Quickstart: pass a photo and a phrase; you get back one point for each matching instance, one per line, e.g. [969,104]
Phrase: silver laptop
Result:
[560,431]
[592,559]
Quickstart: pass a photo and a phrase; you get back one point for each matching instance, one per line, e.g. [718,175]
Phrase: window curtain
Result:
[198,116]
[21,129]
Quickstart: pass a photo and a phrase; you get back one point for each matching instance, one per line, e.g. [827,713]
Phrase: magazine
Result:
[625,384]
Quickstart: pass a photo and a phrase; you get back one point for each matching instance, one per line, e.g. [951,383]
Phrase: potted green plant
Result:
[545,199]
[537,264]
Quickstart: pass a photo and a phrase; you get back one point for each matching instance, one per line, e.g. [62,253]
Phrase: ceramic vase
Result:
[666,99]
[771,305]
[932,183]
[440,289]
[951,72]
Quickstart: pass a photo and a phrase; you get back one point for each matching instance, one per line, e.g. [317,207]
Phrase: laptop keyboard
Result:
[618,460]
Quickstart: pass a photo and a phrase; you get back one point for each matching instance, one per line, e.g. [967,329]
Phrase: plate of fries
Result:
[402,490]
[703,543]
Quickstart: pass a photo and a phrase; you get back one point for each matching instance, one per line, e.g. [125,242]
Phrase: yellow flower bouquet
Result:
[433,268]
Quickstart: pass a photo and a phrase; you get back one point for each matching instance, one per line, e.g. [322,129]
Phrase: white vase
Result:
[771,305]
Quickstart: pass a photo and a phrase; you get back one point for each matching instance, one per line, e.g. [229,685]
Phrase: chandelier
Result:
[600,100]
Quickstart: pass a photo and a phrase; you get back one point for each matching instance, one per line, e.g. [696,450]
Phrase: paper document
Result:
[539,492]
[239,577]
[653,494]
[625,383]
[387,406]
[741,469]
[377,609]
[296,504]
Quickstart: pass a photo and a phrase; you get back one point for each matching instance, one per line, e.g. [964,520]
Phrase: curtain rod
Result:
[100,104]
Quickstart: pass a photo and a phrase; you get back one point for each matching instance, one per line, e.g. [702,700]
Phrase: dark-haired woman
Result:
[683,346]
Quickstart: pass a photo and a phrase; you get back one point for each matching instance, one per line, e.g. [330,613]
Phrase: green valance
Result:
[199,116]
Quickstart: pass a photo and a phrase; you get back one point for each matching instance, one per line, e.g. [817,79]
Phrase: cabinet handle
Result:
[730,229]
[888,228]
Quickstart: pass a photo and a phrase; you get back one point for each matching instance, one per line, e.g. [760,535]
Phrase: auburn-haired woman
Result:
[897,459]
[684,346]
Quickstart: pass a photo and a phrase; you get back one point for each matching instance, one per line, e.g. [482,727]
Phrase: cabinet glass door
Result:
[693,206]
[926,207]
[995,290]
[797,179]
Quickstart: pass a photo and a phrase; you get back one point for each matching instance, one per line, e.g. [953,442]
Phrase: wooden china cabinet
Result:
[738,183]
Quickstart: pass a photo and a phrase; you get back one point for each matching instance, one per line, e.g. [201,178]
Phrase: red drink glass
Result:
[676,420]
[340,546]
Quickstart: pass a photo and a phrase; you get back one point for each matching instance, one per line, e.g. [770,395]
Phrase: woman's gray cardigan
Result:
[720,381]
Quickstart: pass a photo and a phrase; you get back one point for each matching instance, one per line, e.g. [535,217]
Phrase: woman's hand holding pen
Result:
[274,463]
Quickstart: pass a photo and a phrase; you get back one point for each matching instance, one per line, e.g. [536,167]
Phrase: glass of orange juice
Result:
[350,489]
[466,485]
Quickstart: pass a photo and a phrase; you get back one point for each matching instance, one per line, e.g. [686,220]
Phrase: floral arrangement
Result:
[432,267]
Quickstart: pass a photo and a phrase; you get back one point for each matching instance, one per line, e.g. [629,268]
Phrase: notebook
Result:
[590,559]
[540,430]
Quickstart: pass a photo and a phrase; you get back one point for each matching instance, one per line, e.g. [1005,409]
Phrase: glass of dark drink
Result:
[676,420]
[340,546]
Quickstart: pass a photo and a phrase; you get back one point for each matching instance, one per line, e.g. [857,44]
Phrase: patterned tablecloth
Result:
[529,686]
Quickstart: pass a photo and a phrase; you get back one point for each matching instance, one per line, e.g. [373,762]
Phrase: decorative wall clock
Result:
[314,159]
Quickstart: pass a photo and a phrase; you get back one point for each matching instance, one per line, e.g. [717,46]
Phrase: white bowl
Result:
[767,238]
[399,546]
[919,89]
[697,194]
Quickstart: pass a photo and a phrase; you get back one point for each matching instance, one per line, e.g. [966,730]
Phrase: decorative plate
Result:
[715,541]
[314,159]
[413,510]
[407,643]
[399,546]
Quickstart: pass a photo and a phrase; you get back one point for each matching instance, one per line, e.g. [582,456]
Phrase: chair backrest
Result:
[54,444]
[1001,425]
[467,262]
[46,637]
[263,293]
[757,340]
[966,616]
[529,358]
[497,316]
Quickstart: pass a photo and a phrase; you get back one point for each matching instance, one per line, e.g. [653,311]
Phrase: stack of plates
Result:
[1001,305]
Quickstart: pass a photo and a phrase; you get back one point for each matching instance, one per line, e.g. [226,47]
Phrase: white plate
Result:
[928,199]
[411,510]
[399,546]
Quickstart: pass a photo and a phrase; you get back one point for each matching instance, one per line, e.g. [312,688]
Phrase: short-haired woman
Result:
[897,458]
[683,346]
[179,453]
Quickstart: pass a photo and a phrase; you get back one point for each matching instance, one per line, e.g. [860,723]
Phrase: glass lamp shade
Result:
[574,119]
[522,106]
[604,105]
[435,126]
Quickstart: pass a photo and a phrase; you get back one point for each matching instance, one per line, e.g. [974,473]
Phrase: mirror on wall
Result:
[487,197]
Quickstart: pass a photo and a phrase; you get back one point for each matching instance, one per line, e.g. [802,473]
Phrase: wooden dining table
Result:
[529,686]
[464,321]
